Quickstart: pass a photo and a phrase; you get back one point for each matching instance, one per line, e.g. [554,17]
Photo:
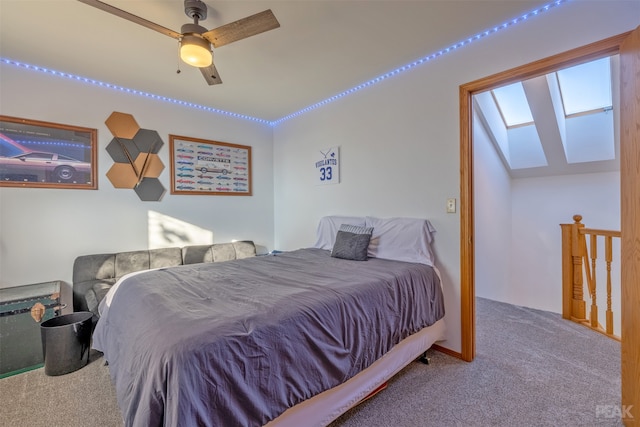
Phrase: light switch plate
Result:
[451,205]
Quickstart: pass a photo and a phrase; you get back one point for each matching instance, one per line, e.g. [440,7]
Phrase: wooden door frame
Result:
[600,49]
[630,226]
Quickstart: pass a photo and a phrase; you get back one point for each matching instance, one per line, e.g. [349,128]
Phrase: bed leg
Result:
[424,359]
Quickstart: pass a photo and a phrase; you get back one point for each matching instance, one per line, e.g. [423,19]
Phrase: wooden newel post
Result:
[578,306]
[567,271]
[573,304]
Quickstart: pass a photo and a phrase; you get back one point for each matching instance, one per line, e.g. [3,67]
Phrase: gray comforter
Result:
[239,342]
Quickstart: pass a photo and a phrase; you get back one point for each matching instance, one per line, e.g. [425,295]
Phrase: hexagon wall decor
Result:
[135,154]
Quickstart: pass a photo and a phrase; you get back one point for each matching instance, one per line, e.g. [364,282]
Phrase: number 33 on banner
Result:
[327,166]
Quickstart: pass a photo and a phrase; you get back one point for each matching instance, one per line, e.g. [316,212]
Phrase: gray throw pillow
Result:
[352,242]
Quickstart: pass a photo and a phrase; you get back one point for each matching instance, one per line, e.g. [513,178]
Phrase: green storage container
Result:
[22,310]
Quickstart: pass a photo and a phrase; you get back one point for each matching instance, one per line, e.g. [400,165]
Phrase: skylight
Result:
[586,87]
[513,105]
[559,122]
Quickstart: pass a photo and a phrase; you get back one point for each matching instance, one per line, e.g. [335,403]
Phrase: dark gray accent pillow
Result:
[352,242]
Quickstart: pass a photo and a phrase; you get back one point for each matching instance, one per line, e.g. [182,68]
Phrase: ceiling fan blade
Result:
[211,75]
[242,28]
[131,17]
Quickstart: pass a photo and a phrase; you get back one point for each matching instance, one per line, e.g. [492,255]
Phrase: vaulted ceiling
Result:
[554,142]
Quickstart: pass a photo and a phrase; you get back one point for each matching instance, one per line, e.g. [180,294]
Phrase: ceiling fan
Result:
[195,40]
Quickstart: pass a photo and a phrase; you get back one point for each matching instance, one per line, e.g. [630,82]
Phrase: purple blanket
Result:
[236,343]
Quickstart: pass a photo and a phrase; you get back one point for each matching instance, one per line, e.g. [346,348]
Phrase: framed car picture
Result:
[47,155]
[199,166]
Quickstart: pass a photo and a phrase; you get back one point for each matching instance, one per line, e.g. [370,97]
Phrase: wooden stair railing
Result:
[576,257]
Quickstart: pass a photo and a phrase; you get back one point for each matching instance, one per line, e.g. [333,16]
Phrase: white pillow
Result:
[328,229]
[401,239]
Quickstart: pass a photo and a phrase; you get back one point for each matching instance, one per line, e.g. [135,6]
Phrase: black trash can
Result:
[66,341]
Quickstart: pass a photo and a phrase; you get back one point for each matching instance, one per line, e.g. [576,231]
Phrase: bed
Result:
[295,338]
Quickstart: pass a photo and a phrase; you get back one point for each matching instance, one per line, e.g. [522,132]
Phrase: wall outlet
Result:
[451,205]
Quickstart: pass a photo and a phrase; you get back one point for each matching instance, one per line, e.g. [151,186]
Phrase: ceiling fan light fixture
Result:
[195,51]
[195,42]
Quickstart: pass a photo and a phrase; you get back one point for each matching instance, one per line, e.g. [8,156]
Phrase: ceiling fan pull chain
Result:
[195,41]
[179,44]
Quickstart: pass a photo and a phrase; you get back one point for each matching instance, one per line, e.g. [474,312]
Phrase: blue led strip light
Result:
[54,143]
[366,84]
[421,61]
[131,91]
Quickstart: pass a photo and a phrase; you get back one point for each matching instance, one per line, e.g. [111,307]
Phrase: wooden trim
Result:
[630,224]
[590,52]
[467,258]
[567,271]
[599,49]
[610,233]
[447,351]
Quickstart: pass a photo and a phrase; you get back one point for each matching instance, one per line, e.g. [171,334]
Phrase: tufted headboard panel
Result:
[93,275]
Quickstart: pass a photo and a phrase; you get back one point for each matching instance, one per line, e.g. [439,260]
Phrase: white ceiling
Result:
[321,49]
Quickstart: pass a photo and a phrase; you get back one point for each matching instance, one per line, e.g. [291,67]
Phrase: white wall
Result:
[492,216]
[518,243]
[400,138]
[42,231]
[539,206]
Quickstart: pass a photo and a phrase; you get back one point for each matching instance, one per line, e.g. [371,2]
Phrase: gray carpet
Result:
[532,369]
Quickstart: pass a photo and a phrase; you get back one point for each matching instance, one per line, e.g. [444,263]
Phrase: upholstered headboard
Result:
[93,275]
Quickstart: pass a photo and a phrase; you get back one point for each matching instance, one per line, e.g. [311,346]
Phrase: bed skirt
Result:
[322,409]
